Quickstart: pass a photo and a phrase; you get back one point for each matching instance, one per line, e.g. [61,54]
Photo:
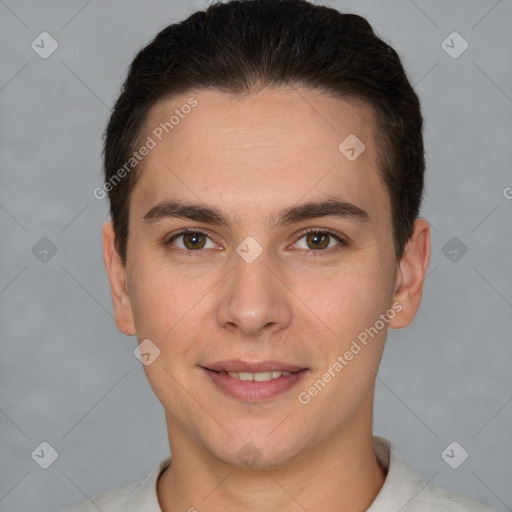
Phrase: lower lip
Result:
[253,391]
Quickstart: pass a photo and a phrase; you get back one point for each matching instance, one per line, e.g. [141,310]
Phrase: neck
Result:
[337,473]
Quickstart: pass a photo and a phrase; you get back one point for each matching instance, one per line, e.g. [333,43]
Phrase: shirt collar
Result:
[402,483]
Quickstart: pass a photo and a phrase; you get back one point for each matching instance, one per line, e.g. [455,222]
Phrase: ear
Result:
[116,271]
[411,275]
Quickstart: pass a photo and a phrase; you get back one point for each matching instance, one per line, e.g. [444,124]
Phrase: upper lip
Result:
[237,365]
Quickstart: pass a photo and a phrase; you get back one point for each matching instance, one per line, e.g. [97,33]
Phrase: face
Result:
[287,265]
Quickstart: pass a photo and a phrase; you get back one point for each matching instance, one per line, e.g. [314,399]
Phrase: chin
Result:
[256,451]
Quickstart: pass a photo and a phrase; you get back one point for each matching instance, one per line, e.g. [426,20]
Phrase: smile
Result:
[258,377]
[254,382]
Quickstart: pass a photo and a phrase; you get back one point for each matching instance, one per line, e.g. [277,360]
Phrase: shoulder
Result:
[111,501]
[139,496]
[436,498]
[405,490]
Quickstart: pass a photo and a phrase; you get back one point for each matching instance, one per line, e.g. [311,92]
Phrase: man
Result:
[264,164]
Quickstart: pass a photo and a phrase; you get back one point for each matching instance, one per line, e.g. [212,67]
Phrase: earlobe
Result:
[116,271]
[411,275]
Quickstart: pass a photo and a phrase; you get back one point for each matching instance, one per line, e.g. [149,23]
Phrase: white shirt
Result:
[404,490]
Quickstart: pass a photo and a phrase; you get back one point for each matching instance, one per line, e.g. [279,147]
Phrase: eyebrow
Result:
[334,207]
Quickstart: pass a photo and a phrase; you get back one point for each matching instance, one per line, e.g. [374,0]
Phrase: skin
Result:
[250,157]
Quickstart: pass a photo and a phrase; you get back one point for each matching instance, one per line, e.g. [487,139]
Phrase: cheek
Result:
[348,299]
[166,311]
[371,293]
[162,300]
[351,307]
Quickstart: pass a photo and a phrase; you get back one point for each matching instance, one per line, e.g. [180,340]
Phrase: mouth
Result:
[258,376]
[254,382]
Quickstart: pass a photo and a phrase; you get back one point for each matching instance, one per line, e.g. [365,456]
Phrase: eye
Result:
[318,240]
[191,240]
[313,240]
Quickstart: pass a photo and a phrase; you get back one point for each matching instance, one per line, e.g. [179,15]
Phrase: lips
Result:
[254,382]
[236,365]
[257,376]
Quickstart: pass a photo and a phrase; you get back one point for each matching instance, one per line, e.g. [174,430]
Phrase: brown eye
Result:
[318,240]
[194,240]
[191,241]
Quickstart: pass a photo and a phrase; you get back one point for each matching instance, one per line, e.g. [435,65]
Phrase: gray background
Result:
[70,378]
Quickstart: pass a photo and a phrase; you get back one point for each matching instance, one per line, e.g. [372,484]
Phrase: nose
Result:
[253,299]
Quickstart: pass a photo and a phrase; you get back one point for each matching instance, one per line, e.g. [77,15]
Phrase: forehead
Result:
[260,150]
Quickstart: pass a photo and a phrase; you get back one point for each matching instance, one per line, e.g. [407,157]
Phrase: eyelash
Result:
[313,253]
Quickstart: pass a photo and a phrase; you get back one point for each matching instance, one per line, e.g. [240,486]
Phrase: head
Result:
[251,114]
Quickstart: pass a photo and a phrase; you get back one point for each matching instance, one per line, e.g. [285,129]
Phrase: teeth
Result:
[258,377]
